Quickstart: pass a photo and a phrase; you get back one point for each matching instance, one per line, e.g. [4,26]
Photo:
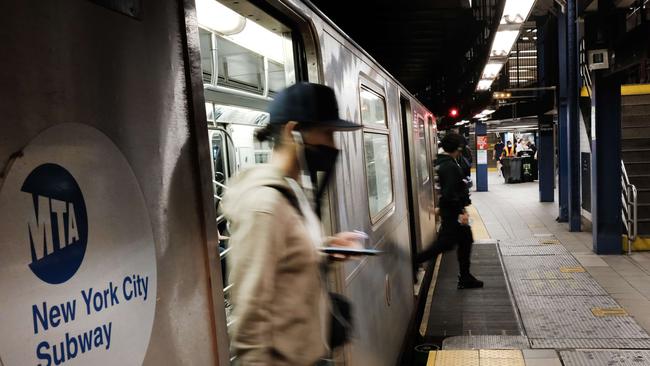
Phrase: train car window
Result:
[423,160]
[373,108]
[376,145]
[205,39]
[209,112]
[239,68]
[378,172]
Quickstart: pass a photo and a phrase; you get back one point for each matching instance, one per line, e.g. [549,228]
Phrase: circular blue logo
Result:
[58,229]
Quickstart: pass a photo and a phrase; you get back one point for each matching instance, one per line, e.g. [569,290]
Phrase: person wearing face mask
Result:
[280,303]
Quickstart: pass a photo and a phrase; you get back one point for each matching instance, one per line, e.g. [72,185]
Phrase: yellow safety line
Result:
[479,230]
[635,89]
[629,89]
[427,308]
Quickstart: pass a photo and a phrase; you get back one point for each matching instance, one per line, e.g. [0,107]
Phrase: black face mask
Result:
[320,158]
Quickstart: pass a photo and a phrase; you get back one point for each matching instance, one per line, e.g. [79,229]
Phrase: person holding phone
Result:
[280,303]
[455,230]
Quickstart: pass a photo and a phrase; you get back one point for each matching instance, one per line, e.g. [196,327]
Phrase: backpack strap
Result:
[288,194]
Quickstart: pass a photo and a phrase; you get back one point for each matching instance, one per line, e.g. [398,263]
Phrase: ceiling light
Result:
[484,84]
[218,17]
[487,112]
[516,11]
[503,42]
[491,70]
[244,32]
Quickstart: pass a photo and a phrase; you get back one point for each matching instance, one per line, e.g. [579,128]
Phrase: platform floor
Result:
[574,306]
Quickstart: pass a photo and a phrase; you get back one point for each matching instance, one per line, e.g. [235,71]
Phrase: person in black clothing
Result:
[454,197]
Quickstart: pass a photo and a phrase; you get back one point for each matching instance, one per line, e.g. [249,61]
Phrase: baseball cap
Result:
[313,105]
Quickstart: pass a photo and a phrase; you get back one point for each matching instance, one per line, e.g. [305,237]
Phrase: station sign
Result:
[78,264]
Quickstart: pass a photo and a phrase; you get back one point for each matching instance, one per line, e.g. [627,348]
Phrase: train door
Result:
[419,176]
[432,133]
[426,179]
[409,171]
[244,62]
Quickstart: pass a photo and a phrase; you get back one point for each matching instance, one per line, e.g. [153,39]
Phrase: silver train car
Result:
[141,113]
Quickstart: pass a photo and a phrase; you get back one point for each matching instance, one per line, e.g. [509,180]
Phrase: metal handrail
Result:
[629,207]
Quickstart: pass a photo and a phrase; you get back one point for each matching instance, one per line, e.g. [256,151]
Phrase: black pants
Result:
[452,234]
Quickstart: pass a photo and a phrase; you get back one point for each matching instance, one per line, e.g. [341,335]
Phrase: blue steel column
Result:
[481,165]
[606,166]
[573,135]
[563,170]
[545,138]
[545,158]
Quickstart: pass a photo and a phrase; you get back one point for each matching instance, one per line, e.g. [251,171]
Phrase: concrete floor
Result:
[513,211]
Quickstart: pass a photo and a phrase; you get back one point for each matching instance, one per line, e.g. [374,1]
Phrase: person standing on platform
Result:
[496,154]
[508,151]
[279,295]
[455,230]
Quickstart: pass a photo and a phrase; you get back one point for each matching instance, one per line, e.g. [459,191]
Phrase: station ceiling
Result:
[420,42]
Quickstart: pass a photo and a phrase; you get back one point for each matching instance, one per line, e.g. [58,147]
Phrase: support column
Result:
[606,165]
[573,120]
[563,170]
[481,157]
[546,159]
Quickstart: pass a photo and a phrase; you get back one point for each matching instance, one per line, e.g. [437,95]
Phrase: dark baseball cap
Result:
[312,105]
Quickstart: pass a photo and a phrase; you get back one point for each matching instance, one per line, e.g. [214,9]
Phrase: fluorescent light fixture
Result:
[218,17]
[483,119]
[516,11]
[484,84]
[491,70]
[503,42]
[244,32]
[487,112]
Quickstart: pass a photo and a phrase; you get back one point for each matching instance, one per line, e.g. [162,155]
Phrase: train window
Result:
[373,108]
[240,68]
[423,161]
[247,56]
[205,39]
[376,144]
[378,172]
[209,112]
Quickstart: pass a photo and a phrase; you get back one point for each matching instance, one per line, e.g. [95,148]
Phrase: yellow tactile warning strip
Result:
[577,269]
[550,241]
[476,358]
[457,358]
[478,227]
[431,361]
[603,312]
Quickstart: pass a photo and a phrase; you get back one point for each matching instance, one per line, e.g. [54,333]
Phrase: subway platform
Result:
[548,299]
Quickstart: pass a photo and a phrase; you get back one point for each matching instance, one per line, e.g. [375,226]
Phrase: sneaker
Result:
[469,282]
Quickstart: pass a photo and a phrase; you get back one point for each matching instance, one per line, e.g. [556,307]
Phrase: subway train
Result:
[124,123]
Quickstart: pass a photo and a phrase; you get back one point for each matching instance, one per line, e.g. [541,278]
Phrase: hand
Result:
[347,239]
[463,218]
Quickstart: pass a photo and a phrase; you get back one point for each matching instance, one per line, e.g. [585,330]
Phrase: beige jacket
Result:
[277,292]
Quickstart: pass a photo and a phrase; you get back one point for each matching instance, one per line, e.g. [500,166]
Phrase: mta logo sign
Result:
[58,229]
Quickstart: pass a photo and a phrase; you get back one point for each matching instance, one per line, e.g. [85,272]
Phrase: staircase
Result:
[635,148]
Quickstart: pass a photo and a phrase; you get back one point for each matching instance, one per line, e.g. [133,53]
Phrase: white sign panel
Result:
[78,263]
[481,157]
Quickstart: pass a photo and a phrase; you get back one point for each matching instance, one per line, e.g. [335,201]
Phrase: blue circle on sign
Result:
[57,231]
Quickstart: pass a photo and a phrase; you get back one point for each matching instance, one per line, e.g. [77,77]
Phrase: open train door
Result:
[419,176]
